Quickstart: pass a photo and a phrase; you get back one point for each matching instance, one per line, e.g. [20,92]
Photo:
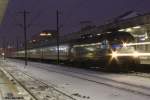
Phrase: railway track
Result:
[38,89]
[143,75]
[31,94]
[26,94]
[142,90]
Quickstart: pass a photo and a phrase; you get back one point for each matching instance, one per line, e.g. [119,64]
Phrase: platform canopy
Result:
[3,6]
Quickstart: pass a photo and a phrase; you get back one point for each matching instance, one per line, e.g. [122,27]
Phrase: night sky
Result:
[42,14]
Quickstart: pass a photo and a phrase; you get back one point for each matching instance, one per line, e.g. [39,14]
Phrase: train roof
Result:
[124,36]
[87,38]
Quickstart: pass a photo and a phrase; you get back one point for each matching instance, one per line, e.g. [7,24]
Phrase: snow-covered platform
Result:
[6,87]
[84,84]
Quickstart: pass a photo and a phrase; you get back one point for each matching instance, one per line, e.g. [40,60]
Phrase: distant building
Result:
[45,35]
[42,38]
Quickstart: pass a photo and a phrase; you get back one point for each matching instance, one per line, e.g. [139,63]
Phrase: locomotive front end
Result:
[125,55]
[121,53]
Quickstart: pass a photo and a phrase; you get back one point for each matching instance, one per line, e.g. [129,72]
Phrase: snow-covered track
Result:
[144,75]
[102,80]
[49,86]
[16,81]
[26,89]
[116,81]
[38,89]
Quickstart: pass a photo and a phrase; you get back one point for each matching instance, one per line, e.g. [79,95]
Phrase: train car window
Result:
[116,44]
[104,44]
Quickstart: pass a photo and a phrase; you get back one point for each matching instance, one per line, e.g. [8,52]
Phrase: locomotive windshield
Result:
[116,39]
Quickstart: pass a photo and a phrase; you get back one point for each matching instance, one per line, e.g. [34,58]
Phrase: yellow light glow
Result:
[134,54]
[42,34]
[142,43]
[121,30]
[137,27]
[128,29]
[124,44]
[143,54]
[114,54]
[49,34]
[45,34]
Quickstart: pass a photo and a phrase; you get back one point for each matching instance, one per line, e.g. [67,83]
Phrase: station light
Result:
[34,40]
[108,32]
[121,30]
[146,37]
[98,34]
[137,27]
[45,34]
[128,29]
[49,34]
[42,34]
[3,54]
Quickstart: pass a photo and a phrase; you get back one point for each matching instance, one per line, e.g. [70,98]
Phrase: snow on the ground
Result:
[81,89]
[141,81]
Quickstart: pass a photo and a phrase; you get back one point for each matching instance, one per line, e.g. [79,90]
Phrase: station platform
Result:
[8,89]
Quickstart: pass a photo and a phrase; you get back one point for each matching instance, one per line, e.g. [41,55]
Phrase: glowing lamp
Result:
[3,54]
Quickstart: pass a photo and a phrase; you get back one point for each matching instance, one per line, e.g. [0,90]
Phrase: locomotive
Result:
[107,49]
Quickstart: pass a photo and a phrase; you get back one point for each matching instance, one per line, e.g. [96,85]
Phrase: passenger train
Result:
[105,49]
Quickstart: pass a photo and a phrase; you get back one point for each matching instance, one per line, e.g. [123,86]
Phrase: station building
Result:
[42,38]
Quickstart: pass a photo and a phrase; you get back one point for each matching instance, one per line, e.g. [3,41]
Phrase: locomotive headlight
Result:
[124,44]
[114,54]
